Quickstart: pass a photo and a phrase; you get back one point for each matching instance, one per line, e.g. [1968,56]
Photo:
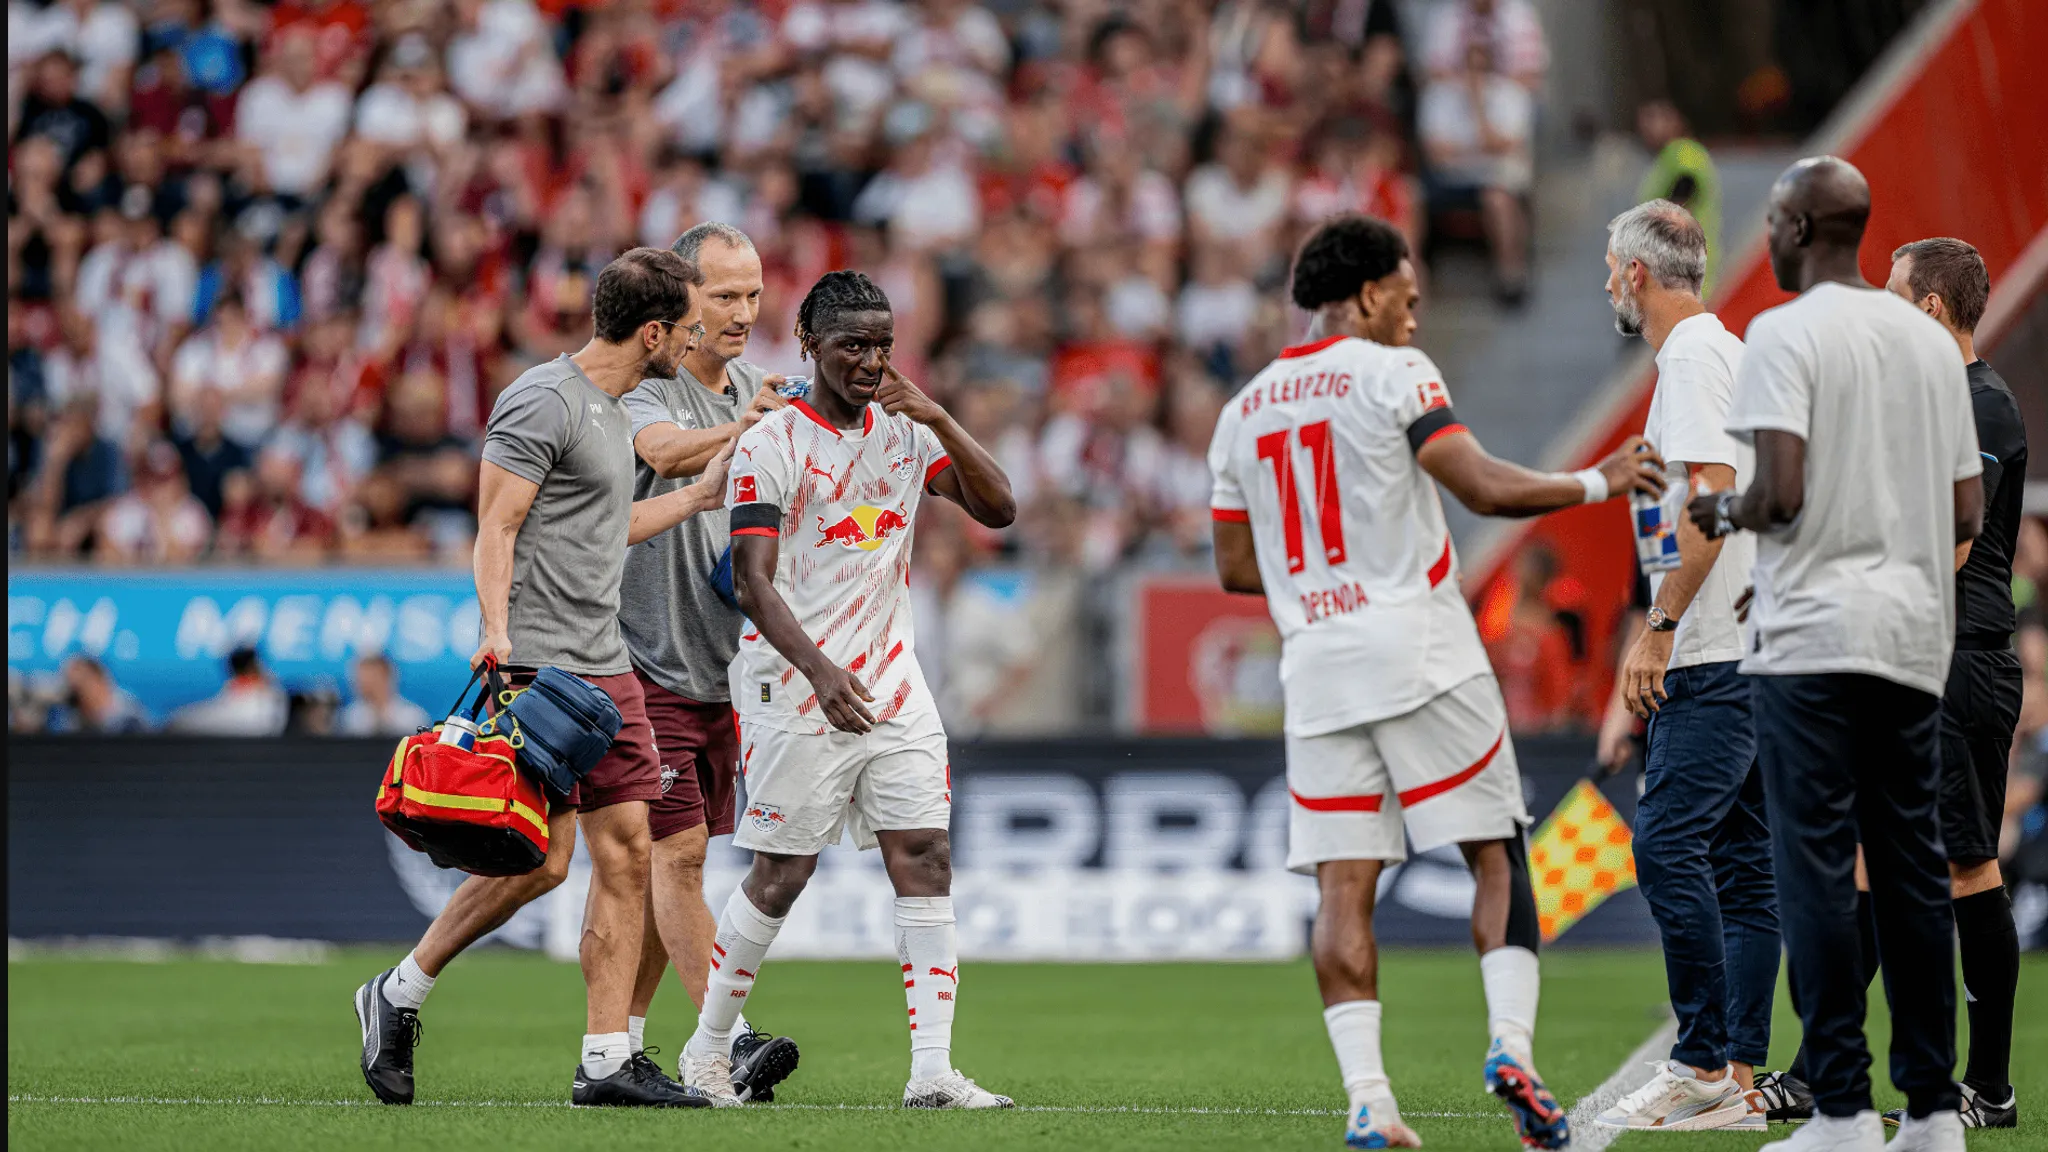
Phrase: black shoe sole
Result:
[363,1013]
[766,1066]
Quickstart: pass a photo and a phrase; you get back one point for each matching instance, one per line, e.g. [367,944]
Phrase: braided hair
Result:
[834,295]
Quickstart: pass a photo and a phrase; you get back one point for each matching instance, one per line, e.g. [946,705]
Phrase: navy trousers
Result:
[1852,758]
[1703,860]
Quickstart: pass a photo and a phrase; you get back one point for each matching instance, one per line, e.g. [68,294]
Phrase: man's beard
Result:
[659,368]
[1628,315]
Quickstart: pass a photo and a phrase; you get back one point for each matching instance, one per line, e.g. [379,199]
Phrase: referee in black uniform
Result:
[1946,279]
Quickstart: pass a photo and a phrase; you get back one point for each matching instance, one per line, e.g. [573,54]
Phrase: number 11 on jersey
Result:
[1275,450]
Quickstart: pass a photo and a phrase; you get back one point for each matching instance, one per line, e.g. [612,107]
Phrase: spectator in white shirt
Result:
[1476,134]
[1239,198]
[249,704]
[231,357]
[158,521]
[927,199]
[501,63]
[378,709]
[409,106]
[291,121]
[1509,29]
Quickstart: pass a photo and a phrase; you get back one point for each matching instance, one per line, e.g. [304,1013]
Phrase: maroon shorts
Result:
[629,771]
[700,758]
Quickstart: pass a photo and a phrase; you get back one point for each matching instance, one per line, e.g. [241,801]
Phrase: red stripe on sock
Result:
[716,948]
[906,967]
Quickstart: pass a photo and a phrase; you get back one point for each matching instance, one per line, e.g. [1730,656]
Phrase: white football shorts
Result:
[1446,772]
[803,790]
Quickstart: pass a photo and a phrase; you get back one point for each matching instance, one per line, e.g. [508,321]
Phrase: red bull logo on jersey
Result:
[864,528]
[766,817]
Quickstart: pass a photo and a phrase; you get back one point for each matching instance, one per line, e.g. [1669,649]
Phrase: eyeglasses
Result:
[697,331]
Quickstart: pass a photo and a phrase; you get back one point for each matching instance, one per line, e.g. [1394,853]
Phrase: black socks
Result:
[1991,974]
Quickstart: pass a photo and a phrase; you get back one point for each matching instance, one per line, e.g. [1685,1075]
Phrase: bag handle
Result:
[497,700]
[463,709]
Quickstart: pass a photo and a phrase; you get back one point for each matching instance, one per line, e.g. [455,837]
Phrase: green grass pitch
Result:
[196,1054]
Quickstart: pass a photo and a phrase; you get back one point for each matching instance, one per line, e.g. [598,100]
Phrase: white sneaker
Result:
[1935,1132]
[1863,1132]
[1377,1124]
[1675,1100]
[952,1091]
[711,1075]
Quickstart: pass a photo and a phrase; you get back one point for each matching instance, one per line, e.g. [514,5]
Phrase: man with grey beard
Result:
[1703,851]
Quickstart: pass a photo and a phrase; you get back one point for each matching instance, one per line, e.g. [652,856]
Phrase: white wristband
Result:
[1595,483]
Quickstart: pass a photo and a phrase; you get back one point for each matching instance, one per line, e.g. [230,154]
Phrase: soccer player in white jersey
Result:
[837,726]
[1323,501]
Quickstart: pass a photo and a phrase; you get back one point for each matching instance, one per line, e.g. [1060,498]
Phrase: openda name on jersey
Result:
[1327,602]
[1307,386]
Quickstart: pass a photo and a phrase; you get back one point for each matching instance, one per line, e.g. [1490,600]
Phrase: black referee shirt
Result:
[1984,586]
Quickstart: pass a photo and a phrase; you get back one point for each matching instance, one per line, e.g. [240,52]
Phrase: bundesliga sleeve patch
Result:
[1432,424]
[756,520]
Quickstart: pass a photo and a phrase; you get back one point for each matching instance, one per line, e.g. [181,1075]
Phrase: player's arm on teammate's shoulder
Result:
[755,550]
[973,480]
[1491,486]
[503,500]
[672,450]
[657,514]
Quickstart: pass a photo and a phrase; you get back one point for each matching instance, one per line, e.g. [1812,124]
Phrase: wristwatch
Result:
[1658,621]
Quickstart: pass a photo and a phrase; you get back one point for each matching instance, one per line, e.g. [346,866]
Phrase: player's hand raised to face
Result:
[900,397]
[840,697]
[1634,467]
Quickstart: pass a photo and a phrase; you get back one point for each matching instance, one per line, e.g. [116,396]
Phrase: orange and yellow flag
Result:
[1580,857]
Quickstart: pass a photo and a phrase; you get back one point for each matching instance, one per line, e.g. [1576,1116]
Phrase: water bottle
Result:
[1656,524]
[459,731]
[794,387]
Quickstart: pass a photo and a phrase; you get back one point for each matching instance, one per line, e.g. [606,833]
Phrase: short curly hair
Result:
[644,284]
[834,295]
[1342,256]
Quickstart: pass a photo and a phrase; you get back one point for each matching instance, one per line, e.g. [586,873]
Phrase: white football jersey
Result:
[848,501]
[1317,453]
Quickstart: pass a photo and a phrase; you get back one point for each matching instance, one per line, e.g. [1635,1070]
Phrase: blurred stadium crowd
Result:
[268,264]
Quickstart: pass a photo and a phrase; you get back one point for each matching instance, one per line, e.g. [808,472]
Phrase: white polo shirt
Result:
[1864,579]
[1696,372]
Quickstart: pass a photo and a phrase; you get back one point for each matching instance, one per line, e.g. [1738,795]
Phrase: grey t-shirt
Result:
[676,628]
[560,431]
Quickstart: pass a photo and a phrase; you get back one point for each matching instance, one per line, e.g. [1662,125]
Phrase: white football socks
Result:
[408,986]
[636,1031]
[744,934]
[1355,1036]
[604,1053]
[931,980]
[1512,986]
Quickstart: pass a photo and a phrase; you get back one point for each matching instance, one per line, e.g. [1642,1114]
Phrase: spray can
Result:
[794,387]
[459,731]
[1656,525]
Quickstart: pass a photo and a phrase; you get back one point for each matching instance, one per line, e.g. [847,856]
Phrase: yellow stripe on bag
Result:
[448,800]
[530,816]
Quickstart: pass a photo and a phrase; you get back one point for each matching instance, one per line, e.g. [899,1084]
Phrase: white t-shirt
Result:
[298,131]
[1232,212]
[1864,579]
[848,502]
[1356,561]
[1447,119]
[1696,372]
